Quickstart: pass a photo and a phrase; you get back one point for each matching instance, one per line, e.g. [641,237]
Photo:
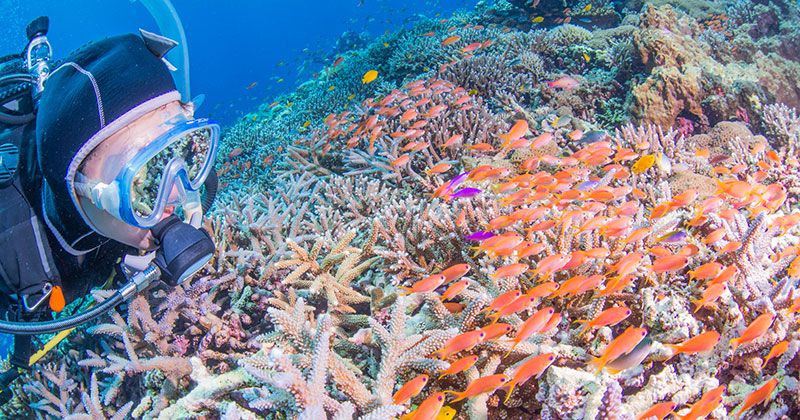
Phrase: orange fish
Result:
[711,294]
[658,411]
[486,384]
[517,131]
[451,39]
[725,275]
[410,389]
[455,138]
[534,366]
[471,47]
[755,330]
[730,247]
[497,330]
[438,168]
[705,405]
[564,82]
[706,271]
[543,290]
[503,300]
[511,270]
[530,326]
[428,409]
[460,342]
[520,304]
[609,317]
[402,160]
[776,351]
[459,366]
[428,284]
[454,272]
[550,264]
[623,343]
[683,199]
[454,307]
[700,343]
[714,236]
[758,396]
[669,263]
[454,289]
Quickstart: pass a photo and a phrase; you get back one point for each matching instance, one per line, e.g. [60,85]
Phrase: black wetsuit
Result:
[77,274]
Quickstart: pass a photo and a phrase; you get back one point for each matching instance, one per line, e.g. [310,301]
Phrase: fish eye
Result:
[552,357]
[551,310]
[508,328]
[424,379]
[440,398]
[502,379]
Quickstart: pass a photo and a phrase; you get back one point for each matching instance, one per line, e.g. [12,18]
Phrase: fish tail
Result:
[406,291]
[598,363]
[511,349]
[699,303]
[459,395]
[511,385]
[734,343]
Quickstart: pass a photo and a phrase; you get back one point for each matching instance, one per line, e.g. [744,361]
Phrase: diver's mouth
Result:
[168,210]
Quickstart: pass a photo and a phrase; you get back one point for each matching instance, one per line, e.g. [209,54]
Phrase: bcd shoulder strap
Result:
[27,270]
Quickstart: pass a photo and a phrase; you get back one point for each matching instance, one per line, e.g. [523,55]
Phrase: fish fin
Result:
[698,303]
[511,385]
[734,343]
[459,395]
[511,349]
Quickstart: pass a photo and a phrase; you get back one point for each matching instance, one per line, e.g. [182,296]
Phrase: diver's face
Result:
[109,157]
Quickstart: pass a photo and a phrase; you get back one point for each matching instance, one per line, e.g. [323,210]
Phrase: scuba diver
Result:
[104,177]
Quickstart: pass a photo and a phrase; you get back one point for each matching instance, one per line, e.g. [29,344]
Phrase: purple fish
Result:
[479,236]
[672,237]
[587,185]
[457,180]
[465,193]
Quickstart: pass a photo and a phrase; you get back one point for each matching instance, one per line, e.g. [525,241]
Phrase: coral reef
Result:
[606,156]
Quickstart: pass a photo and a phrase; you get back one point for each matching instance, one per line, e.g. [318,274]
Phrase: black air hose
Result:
[211,183]
[46,327]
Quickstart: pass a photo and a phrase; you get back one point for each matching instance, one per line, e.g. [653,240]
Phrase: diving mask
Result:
[179,161]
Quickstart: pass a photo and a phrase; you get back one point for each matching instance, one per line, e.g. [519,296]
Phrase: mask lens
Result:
[192,147]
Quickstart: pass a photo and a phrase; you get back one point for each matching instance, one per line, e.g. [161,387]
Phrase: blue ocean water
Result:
[271,45]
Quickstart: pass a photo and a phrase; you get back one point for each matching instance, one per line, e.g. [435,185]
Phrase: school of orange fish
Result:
[593,187]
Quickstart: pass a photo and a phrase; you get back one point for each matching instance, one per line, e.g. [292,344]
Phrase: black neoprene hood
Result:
[92,93]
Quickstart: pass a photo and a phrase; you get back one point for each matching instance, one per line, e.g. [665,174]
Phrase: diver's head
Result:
[118,150]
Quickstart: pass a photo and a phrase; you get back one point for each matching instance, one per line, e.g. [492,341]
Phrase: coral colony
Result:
[517,212]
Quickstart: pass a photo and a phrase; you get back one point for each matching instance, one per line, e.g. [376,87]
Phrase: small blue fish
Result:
[479,236]
[594,136]
[587,185]
[466,193]
[632,358]
[673,237]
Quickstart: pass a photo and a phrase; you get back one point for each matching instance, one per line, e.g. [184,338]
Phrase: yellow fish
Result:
[473,92]
[385,45]
[538,19]
[446,413]
[280,80]
[555,121]
[369,76]
[330,89]
[586,57]
[587,7]
[306,124]
[351,97]
[644,163]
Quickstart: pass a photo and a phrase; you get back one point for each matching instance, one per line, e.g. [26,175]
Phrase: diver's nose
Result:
[174,195]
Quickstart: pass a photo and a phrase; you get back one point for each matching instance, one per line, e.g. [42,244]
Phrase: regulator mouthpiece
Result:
[183,249]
